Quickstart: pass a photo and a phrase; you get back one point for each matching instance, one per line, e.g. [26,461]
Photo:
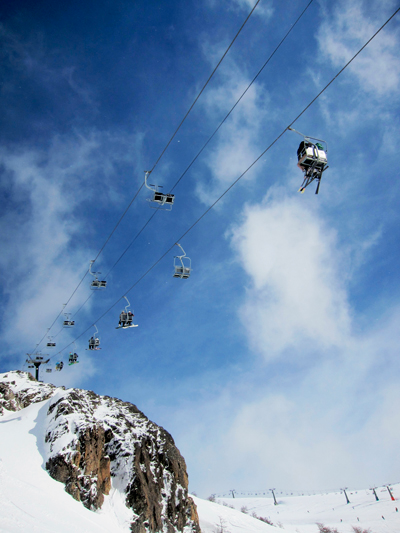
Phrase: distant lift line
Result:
[243,173]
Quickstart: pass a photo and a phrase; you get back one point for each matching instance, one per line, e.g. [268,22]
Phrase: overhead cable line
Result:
[210,138]
[155,164]
[235,182]
[119,259]
[205,85]
[61,312]
[244,92]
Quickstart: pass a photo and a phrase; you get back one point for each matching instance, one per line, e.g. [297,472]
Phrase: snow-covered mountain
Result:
[95,446]
[119,472]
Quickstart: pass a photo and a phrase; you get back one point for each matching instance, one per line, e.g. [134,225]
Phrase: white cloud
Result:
[345,30]
[42,257]
[296,293]
[336,423]
[237,143]
[264,9]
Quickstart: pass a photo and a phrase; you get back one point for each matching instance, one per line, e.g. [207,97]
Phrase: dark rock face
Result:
[96,442]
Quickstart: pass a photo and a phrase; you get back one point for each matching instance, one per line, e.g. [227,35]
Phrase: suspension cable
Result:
[155,164]
[244,92]
[210,138]
[205,85]
[232,184]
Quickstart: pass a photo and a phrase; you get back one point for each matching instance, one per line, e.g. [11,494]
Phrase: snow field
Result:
[30,500]
[301,513]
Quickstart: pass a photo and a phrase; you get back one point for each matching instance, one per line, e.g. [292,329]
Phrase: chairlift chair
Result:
[50,344]
[182,265]
[59,366]
[68,323]
[96,284]
[48,370]
[72,359]
[164,200]
[94,341]
[126,318]
[312,159]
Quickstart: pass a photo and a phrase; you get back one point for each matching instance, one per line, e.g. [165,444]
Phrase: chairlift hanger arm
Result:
[149,186]
[184,253]
[308,137]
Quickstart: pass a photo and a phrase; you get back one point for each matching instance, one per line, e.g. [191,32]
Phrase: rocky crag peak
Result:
[93,443]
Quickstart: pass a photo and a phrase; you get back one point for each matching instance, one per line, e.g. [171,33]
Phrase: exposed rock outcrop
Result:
[96,442]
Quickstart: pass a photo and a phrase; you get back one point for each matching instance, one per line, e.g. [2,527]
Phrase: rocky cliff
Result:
[92,443]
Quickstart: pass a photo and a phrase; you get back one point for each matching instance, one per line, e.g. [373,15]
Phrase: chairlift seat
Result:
[97,284]
[181,272]
[51,344]
[309,155]
[162,198]
[69,323]
[93,343]
[48,370]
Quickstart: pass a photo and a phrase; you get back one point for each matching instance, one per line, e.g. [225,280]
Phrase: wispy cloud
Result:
[237,143]
[48,190]
[296,293]
[30,58]
[346,28]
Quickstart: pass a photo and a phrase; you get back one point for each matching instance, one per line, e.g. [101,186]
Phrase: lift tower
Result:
[34,361]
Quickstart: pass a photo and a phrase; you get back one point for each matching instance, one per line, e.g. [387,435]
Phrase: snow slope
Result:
[30,500]
[214,516]
[301,513]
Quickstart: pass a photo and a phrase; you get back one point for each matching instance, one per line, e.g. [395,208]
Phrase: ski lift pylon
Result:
[182,265]
[311,159]
[164,200]
[126,318]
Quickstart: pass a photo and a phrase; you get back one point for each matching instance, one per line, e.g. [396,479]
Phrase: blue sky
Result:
[277,362]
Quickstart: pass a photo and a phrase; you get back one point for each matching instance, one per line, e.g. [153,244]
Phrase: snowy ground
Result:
[31,501]
[300,514]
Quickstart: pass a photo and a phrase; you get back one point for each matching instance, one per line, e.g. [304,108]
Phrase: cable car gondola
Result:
[164,201]
[182,265]
[126,318]
[311,159]
[96,283]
